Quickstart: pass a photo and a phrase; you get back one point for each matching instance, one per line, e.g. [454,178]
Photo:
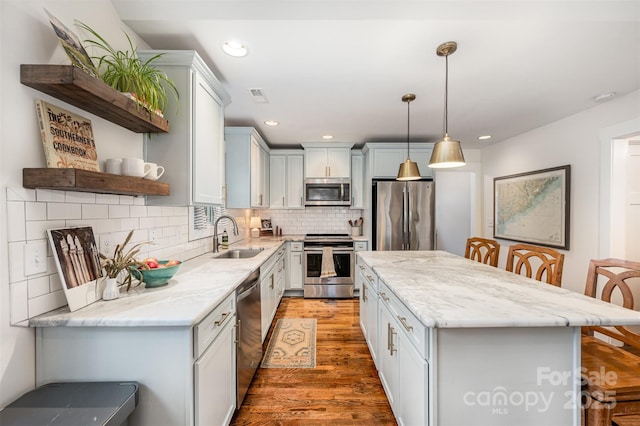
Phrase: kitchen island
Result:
[177,341]
[462,343]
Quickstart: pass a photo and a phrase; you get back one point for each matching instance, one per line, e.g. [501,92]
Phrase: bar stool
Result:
[483,250]
[536,262]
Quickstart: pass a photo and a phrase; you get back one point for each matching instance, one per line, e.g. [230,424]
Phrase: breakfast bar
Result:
[460,342]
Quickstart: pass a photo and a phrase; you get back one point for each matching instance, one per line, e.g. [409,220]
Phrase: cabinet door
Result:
[278,181]
[264,177]
[357,182]
[388,355]
[215,380]
[372,324]
[386,162]
[315,162]
[339,162]
[295,270]
[266,301]
[208,146]
[256,174]
[413,382]
[295,181]
[422,157]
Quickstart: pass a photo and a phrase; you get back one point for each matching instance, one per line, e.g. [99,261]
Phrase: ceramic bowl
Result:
[156,277]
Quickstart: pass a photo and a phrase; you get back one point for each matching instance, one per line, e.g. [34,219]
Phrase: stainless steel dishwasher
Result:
[249,335]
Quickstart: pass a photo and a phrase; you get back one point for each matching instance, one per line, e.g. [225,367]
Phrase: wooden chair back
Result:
[618,278]
[541,263]
[483,250]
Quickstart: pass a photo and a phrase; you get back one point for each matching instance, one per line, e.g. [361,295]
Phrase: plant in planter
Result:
[127,73]
[119,265]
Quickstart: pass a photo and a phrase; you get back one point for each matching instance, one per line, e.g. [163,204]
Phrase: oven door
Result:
[343,260]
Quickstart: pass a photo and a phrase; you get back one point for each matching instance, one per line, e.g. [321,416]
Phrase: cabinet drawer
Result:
[208,329]
[360,245]
[296,245]
[367,274]
[415,331]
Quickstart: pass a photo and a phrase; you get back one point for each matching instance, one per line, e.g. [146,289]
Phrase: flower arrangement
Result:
[127,73]
[122,261]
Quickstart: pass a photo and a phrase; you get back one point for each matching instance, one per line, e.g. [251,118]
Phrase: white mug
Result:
[153,171]
[133,167]
[114,166]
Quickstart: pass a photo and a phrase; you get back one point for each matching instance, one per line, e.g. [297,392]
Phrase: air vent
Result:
[258,96]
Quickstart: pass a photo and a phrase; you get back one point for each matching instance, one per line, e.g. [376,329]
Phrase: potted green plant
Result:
[127,73]
[119,266]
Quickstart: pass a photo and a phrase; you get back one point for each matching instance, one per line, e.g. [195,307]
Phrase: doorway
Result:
[625,198]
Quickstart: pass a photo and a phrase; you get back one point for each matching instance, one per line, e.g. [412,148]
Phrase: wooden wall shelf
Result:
[76,87]
[89,181]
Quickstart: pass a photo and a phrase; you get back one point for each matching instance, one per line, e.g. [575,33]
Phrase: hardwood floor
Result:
[343,389]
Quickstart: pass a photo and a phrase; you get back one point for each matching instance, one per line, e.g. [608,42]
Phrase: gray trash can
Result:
[73,404]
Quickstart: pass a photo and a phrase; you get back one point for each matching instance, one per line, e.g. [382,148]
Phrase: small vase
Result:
[111,290]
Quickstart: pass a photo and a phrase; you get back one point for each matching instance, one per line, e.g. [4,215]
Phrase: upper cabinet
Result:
[247,168]
[287,179]
[193,152]
[321,160]
[357,180]
[385,158]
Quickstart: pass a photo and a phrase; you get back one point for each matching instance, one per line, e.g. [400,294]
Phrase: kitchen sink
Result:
[239,253]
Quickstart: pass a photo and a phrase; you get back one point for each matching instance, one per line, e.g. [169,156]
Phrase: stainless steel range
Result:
[339,286]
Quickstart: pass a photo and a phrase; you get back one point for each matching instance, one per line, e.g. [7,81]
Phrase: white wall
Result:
[574,140]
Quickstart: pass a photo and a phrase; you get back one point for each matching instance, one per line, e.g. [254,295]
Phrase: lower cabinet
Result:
[366,282]
[186,374]
[294,266]
[402,368]
[272,283]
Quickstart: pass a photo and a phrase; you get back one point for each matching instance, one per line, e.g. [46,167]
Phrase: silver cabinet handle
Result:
[390,334]
[364,294]
[403,321]
[238,331]
[370,278]
[384,297]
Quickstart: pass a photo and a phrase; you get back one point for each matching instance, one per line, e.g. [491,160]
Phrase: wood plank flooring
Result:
[343,389]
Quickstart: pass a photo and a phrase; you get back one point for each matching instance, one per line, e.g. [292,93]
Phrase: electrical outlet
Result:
[153,235]
[106,246]
[35,258]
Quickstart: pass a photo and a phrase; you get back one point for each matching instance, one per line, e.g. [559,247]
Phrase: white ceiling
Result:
[340,67]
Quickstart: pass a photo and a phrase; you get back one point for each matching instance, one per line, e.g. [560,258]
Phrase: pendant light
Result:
[446,153]
[409,169]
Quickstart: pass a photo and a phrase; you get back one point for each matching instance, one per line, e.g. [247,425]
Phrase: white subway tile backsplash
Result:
[127,200]
[46,303]
[95,211]
[80,197]
[107,199]
[118,211]
[37,286]
[154,210]
[129,223]
[49,195]
[138,211]
[35,211]
[16,217]
[21,194]
[16,261]
[19,301]
[37,229]
[63,211]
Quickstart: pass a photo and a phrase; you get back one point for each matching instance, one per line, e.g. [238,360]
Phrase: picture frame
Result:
[72,46]
[533,207]
[78,264]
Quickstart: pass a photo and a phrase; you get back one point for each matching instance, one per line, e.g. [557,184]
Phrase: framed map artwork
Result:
[533,207]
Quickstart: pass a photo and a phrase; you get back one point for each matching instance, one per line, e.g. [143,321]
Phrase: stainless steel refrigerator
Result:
[403,215]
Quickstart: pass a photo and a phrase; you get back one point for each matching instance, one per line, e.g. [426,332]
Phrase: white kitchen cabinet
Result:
[286,181]
[367,283]
[247,168]
[272,283]
[403,369]
[186,373]
[385,158]
[321,160]
[357,181]
[192,153]
[294,267]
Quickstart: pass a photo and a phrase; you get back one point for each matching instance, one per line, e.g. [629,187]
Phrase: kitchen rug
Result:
[292,344]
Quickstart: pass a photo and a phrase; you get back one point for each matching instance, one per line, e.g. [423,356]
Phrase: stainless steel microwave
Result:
[327,192]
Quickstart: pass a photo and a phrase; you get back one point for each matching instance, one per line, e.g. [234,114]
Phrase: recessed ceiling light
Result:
[327,137]
[235,49]
[484,137]
[271,123]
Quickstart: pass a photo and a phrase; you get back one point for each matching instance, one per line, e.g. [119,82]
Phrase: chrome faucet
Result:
[215,230]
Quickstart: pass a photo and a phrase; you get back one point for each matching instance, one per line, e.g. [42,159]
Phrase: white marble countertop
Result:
[198,287]
[448,291]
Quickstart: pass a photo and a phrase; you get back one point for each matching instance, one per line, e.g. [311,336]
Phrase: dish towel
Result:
[328,268]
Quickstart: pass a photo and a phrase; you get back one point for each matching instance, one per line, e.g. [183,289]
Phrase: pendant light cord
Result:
[446,94]
[408,124]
